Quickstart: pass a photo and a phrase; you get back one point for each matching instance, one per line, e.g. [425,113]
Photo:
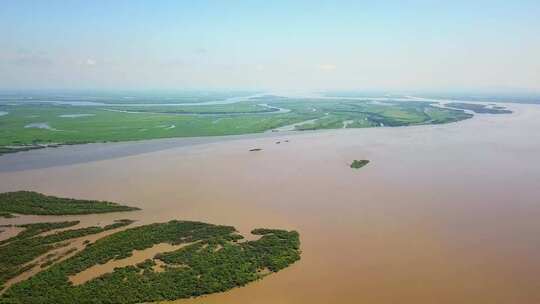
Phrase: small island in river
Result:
[357,164]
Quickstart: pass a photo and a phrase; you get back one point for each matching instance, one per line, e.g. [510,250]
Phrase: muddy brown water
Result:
[442,214]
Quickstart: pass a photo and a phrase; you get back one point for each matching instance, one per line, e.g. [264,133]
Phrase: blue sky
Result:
[397,45]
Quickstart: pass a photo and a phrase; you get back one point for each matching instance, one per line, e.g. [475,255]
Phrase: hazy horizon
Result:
[488,46]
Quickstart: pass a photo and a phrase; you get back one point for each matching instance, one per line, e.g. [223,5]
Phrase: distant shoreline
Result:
[69,154]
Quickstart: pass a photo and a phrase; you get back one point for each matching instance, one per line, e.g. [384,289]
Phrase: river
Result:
[442,213]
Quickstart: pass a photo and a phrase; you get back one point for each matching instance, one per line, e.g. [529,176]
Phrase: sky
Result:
[304,44]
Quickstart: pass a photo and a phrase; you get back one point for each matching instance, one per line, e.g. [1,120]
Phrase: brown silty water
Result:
[442,214]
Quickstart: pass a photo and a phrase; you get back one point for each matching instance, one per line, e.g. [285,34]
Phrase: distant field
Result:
[33,125]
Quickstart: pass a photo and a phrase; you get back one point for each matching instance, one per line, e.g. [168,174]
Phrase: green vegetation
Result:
[52,258]
[38,228]
[243,107]
[17,253]
[357,164]
[29,202]
[213,260]
[29,126]
[478,108]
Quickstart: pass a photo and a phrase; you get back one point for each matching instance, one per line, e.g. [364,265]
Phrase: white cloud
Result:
[90,62]
[327,67]
[201,51]
[32,60]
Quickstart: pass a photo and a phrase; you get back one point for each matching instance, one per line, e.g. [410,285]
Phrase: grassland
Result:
[29,202]
[213,261]
[242,107]
[33,125]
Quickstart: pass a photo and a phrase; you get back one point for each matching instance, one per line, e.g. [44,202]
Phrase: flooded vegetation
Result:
[136,257]
[18,252]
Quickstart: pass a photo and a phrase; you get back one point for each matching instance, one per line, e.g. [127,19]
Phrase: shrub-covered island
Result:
[357,164]
[213,260]
[29,202]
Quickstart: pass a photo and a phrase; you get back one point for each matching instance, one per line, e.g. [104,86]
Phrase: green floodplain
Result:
[214,258]
[28,124]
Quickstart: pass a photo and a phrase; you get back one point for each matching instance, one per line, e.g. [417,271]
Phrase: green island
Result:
[479,108]
[29,202]
[32,125]
[357,164]
[214,259]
